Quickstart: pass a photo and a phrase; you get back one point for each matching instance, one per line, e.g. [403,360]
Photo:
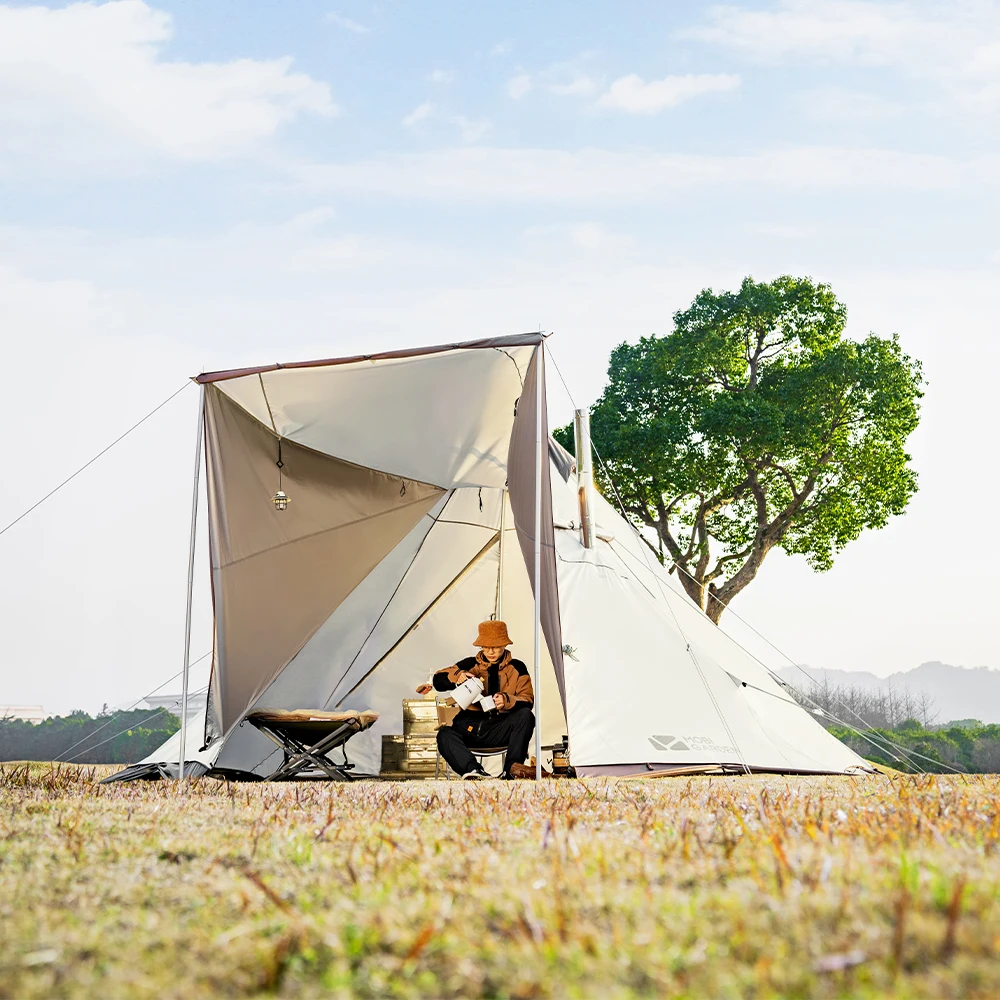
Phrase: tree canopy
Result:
[757,424]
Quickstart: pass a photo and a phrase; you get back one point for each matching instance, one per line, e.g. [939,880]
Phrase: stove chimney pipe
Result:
[584,475]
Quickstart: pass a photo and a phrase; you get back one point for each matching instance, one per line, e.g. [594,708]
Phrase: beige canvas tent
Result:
[425,495]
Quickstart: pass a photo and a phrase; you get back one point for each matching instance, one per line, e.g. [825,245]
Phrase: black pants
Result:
[510,729]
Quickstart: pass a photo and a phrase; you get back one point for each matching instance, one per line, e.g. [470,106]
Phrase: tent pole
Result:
[538,559]
[190,582]
[503,507]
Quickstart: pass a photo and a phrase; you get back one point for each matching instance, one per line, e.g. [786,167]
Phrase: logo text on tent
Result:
[681,743]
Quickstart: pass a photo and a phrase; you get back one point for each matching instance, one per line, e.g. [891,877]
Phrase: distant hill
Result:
[957,692]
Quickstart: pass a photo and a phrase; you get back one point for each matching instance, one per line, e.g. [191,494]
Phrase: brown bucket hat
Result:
[492,634]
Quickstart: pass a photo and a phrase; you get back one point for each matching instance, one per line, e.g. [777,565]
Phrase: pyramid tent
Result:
[411,479]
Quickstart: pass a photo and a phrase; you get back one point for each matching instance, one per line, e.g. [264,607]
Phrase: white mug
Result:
[486,703]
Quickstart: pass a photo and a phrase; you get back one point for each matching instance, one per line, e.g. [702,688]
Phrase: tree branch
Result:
[760,497]
[771,464]
[651,547]
[642,512]
[728,558]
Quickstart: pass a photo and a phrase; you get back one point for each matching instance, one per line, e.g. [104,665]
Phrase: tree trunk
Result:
[710,597]
[720,597]
[715,606]
[694,587]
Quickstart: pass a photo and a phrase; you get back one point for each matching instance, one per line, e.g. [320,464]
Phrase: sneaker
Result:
[477,775]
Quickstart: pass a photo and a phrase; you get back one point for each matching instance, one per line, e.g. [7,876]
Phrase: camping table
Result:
[308,736]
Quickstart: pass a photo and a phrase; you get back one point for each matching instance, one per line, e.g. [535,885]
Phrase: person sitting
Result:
[509,723]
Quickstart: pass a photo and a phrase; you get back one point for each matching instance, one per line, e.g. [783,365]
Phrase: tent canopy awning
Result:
[366,448]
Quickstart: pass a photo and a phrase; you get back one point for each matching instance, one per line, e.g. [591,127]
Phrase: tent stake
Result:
[539,375]
[190,583]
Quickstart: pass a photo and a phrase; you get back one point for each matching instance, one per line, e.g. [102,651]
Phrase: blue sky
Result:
[186,186]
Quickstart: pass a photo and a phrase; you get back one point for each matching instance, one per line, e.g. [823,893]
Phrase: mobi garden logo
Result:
[688,743]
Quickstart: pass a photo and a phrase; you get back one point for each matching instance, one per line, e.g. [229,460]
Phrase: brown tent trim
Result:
[666,770]
[515,340]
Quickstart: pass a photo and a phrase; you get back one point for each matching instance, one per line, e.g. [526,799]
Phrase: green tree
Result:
[756,424]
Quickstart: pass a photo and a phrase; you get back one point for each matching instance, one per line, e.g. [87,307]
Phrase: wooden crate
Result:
[424,768]
[393,749]
[420,716]
[413,754]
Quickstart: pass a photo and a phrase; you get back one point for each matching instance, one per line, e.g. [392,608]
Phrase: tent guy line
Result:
[70,760]
[87,465]
[879,742]
[122,711]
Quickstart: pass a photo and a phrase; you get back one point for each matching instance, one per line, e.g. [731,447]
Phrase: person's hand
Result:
[498,700]
[462,676]
[423,688]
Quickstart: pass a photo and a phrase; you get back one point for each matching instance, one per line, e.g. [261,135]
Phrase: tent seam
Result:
[451,583]
[336,458]
[323,531]
[392,597]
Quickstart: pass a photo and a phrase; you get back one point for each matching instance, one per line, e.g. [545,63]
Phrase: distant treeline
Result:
[895,727]
[968,746]
[883,708]
[110,738]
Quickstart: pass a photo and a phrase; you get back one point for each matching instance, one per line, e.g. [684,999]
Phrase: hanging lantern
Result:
[280,499]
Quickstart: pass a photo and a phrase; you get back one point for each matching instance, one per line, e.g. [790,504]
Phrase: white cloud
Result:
[420,113]
[564,79]
[311,220]
[347,23]
[492,174]
[570,77]
[470,129]
[89,85]
[580,85]
[850,106]
[954,47]
[441,76]
[783,230]
[588,235]
[632,95]
[592,236]
[879,33]
[519,86]
[500,49]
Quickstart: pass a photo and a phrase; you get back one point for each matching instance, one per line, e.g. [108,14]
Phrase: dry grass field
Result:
[695,887]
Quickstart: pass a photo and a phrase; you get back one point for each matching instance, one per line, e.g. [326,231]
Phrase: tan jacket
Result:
[509,679]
